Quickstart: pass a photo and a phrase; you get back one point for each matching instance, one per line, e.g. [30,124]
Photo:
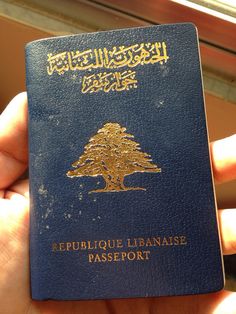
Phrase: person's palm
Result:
[14,235]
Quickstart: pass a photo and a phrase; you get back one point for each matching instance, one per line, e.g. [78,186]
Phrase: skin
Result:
[14,234]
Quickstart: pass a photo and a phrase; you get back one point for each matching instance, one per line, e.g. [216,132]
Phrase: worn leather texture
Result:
[166,116]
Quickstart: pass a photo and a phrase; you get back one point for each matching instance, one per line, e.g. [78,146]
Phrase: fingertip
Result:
[223,154]
[18,100]
[227,222]
[13,140]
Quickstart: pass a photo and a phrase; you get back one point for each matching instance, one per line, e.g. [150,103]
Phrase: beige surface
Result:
[221,115]
[13,37]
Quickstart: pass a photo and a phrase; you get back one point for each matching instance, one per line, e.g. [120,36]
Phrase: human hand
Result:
[14,234]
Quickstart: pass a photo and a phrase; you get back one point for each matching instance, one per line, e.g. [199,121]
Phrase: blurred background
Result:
[23,21]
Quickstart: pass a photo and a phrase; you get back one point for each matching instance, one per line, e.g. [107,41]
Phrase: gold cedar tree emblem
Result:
[113,154]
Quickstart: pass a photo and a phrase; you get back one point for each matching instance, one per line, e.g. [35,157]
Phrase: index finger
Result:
[223,153]
[13,140]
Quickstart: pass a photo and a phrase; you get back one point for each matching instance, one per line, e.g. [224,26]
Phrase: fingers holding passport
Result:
[223,153]
[224,168]
[13,140]
[227,221]
[14,161]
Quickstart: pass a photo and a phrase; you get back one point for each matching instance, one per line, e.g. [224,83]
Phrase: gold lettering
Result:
[104,257]
[91,258]
[102,245]
[114,58]
[165,241]
[83,60]
[131,256]
[95,244]
[141,242]
[111,244]
[83,245]
[146,254]
[149,242]
[123,255]
[116,257]
[183,240]
[109,257]
[119,243]
[57,63]
[97,259]
[74,246]
[176,240]
[90,247]
[140,255]
[54,247]
[68,246]
[170,240]
[106,82]
[157,241]
[131,243]
[62,246]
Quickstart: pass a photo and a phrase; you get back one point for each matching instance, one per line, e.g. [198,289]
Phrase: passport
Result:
[122,202]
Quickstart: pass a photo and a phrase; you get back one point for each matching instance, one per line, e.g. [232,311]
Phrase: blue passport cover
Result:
[122,197]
